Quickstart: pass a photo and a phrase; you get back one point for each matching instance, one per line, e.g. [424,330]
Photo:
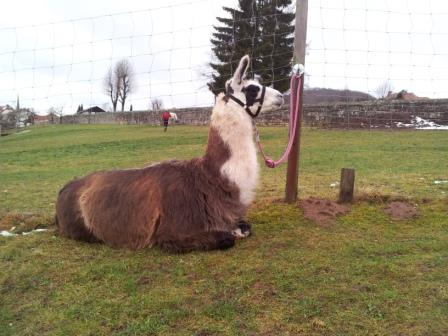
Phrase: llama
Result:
[179,206]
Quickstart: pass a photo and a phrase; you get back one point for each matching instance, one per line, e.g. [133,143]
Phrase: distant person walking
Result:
[166,117]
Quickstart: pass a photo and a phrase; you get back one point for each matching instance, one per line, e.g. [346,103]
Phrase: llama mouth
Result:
[279,104]
[280,101]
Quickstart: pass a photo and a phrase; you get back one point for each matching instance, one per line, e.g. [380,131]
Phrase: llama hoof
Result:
[242,230]
[240,234]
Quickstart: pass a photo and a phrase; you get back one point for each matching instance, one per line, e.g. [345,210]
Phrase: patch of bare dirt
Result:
[321,211]
[401,210]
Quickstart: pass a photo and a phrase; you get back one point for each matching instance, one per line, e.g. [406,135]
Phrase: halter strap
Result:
[246,107]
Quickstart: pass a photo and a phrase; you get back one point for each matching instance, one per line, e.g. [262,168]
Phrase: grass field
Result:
[365,275]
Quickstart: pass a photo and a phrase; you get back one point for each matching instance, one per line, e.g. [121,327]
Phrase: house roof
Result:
[6,109]
[94,109]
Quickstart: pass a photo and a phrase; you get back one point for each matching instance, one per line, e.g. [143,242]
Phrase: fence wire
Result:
[356,51]
[370,65]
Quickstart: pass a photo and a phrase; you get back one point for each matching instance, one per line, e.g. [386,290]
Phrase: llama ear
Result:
[229,88]
[240,72]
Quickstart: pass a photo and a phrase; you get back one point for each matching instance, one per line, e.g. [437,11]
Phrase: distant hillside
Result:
[320,95]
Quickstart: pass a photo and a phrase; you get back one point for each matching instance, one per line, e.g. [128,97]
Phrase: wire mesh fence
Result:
[372,65]
[356,51]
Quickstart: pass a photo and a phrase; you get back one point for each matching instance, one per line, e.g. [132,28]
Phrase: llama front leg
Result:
[205,241]
[242,230]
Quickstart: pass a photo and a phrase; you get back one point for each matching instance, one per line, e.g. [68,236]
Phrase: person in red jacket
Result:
[166,117]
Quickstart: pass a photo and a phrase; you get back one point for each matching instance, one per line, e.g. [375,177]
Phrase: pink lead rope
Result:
[296,84]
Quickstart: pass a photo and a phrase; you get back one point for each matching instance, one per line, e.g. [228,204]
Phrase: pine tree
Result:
[264,30]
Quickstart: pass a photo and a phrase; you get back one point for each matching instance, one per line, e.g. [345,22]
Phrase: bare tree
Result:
[383,89]
[119,83]
[156,104]
[56,111]
[126,80]
[112,87]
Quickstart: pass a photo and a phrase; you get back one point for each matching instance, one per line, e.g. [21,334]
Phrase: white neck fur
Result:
[235,128]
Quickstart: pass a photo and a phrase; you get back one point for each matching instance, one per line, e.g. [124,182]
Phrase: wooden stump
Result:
[347,185]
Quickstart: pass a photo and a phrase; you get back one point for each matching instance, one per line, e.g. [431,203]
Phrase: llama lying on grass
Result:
[178,205]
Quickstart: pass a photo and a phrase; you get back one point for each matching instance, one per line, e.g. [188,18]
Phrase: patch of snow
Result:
[7,234]
[37,230]
[420,123]
[440,181]
[10,234]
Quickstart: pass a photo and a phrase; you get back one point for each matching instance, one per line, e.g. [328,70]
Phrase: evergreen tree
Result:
[80,109]
[264,30]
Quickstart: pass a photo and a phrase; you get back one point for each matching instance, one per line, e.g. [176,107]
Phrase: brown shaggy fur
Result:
[178,205]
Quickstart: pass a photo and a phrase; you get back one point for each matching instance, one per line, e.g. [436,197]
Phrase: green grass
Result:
[365,275]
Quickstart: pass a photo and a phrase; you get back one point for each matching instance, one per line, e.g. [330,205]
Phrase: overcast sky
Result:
[56,53]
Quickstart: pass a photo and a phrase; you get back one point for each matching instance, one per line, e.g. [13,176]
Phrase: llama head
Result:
[250,94]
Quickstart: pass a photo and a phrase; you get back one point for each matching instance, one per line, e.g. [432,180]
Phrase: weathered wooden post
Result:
[292,172]
[347,185]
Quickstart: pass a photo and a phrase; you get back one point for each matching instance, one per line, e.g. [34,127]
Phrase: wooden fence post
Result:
[292,172]
[347,185]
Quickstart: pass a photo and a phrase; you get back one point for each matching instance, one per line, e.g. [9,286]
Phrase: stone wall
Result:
[370,114]
[187,116]
[376,113]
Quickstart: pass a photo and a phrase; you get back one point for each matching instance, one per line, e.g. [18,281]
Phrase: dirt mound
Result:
[321,211]
[401,210]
